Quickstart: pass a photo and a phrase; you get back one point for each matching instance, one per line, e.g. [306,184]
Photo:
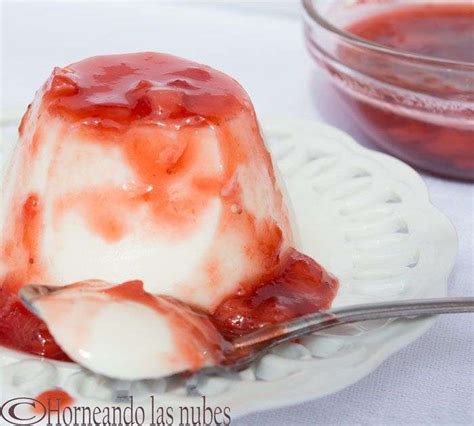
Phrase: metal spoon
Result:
[260,341]
[244,350]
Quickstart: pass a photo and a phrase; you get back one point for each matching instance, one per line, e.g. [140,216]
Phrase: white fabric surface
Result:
[260,43]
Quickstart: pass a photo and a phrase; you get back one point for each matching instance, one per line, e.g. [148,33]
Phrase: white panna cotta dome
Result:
[143,167]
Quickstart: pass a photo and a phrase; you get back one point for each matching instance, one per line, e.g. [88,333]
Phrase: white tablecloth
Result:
[260,44]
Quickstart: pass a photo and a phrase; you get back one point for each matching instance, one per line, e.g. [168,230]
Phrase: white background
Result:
[260,44]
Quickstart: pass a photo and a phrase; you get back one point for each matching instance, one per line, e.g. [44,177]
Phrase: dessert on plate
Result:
[141,185]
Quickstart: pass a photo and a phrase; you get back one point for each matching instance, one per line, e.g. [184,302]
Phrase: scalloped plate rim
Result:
[408,332]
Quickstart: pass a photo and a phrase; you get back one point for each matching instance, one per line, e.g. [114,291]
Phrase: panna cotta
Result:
[147,167]
[143,166]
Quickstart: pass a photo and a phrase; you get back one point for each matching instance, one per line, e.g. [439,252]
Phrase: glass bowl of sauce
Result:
[405,70]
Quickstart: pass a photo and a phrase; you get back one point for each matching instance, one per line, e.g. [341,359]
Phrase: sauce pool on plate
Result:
[53,400]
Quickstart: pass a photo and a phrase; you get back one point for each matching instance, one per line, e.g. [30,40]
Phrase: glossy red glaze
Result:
[443,31]
[116,90]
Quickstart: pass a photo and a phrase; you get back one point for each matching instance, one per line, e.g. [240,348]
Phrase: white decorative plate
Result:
[363,215]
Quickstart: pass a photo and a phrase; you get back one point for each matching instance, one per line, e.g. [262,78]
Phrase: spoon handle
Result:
[307,324]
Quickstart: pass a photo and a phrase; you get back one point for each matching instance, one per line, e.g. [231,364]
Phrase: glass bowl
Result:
[418,108]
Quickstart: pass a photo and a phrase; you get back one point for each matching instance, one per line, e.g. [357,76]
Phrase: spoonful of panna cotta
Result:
[149,170]
[121,331]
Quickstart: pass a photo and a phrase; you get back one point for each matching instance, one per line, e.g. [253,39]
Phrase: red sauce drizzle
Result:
[436,30]
[119,99]
[31,228]
[116,90]
[54,400]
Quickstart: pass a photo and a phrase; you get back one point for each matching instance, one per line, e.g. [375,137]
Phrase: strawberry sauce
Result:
[143,86]
[441,31]
[301,288]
